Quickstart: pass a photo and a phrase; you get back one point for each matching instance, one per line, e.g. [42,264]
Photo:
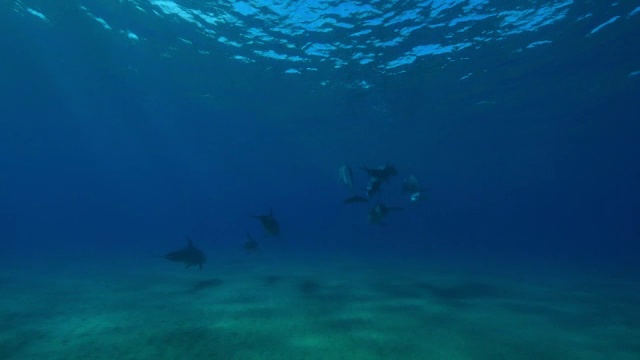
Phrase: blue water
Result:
[126,126]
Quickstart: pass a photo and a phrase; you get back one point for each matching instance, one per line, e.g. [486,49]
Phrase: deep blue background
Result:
[106,147]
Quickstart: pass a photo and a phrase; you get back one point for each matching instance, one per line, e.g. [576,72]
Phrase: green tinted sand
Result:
[261,309]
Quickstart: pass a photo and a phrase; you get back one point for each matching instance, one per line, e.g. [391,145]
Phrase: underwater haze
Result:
[321,179]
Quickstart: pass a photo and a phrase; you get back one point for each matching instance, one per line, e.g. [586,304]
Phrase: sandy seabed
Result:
[263,308]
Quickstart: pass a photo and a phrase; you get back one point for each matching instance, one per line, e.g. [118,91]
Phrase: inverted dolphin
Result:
[413,188]
[411,185]
[373,187]
[346,175]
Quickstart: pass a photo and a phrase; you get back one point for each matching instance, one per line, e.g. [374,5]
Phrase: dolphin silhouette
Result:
[269,223]
[190,255]
[379,212]
[250,245]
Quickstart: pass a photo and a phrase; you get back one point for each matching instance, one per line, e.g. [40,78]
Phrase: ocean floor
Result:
[257,307]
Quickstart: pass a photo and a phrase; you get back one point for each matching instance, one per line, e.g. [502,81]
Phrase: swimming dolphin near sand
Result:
[269,223]
[190,255]
[379,212]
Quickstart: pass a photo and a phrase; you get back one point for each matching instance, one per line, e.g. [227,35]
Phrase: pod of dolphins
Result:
[377,177]
[190,255]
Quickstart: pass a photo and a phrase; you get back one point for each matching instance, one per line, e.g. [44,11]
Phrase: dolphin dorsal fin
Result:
[189,243]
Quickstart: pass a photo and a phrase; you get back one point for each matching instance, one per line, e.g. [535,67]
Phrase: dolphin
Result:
[250,245]
[383,173]
[355,199]
[411,185]
[413,188]
[417,197]
[190,255]
[373,187]
[269,223]
[379,212]
[346,175]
